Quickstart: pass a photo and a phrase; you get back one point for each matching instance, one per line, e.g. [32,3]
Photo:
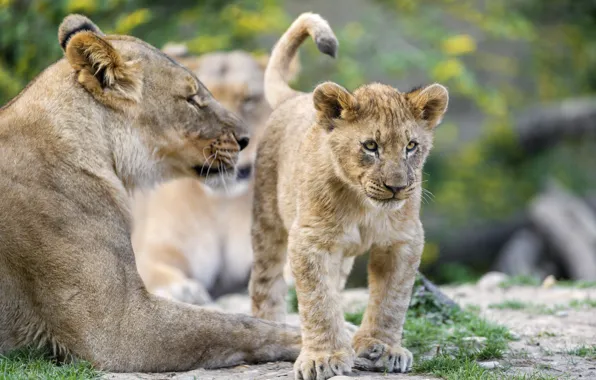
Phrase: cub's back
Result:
[279,150]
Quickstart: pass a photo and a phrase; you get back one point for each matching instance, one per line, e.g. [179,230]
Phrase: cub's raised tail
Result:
[278,70]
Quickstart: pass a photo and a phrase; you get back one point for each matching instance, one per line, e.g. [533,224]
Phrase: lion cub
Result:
[339,174]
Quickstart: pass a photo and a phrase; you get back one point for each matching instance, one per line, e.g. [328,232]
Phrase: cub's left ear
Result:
[429,103]
[100,68]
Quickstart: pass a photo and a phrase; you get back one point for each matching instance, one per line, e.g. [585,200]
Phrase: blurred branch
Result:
[569,225]
[543,127]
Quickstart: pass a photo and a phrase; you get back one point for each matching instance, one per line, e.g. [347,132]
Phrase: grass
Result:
[535,281]
[588,352]
[579,284]
[36,364]
[543,309]
[520,281]
[457,338]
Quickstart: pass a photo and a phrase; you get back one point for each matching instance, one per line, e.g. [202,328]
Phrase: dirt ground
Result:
[545,339]
[545,334]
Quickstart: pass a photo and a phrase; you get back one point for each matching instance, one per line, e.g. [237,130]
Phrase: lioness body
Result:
[338,174]
[114,115]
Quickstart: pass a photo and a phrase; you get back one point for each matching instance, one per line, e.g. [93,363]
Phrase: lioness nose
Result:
[243,141]
[394,189]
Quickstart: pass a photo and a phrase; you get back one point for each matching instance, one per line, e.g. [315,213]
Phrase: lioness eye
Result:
[370,145]
[411,146]
[196,101]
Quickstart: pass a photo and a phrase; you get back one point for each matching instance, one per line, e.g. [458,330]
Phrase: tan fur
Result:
[192,243]
[115,114]
[323,197]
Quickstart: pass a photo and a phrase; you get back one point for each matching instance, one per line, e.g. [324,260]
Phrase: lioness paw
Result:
[374,355]
[321,365]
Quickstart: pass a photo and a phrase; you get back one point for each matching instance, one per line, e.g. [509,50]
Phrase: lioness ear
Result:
[333,102]
[429,103]
[100,68]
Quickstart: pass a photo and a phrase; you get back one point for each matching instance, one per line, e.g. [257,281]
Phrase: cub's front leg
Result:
[391,275]
[326,349]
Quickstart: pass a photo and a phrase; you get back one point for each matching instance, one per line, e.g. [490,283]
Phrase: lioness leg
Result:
[391,274]
[129,329]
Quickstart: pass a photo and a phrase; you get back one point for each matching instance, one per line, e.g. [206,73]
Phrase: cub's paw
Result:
[321,365]
[374,355]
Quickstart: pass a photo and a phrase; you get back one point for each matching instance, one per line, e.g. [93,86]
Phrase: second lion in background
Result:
[193,244]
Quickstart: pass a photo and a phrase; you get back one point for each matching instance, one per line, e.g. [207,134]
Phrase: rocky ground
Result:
[553,327]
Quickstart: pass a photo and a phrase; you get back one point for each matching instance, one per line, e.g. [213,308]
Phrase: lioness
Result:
[339,173]
[191,243]
[115,114]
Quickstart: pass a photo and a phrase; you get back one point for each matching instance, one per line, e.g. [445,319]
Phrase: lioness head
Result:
[379,137]
[235,79]
[172,118]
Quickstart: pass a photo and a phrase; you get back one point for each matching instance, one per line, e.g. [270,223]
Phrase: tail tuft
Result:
[327,45]
[277,73]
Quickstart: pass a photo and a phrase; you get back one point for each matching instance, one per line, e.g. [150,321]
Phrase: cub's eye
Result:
[411,146]
[370,145]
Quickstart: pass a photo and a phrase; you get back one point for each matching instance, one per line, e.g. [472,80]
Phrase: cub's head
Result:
[170,117]
[379,137]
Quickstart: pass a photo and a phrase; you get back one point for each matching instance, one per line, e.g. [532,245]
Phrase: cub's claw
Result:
[314,365]
[375,355]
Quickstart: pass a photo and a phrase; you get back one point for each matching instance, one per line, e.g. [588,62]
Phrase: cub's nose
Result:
[243,141]
[394,189]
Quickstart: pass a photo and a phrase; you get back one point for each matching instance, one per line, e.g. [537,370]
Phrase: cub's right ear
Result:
[100,68]
[334,102]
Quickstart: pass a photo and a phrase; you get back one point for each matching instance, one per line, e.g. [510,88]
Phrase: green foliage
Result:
[28,42]
[520,281]
[35,364]
[450,336]
[588,352]
[292,300]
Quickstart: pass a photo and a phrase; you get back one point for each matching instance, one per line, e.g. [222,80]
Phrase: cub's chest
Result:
[359,236]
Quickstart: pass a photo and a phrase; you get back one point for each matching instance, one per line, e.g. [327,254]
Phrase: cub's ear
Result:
[429,103]
[100,68]
[334,102]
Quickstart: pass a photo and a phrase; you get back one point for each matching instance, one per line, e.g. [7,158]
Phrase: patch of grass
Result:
[509,304]
[355,318]
[520,281]
[459,338]
[456,274]
[578,284]
[588,352]
[583,304]
[292,300]
[541,308]
[36,364]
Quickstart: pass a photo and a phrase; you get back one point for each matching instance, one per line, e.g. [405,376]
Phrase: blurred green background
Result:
[504,62]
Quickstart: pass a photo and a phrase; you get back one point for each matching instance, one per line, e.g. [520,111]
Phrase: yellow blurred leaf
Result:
[459,45]
[447,69]
[430,254]
[85,6]
[5,3]
[128,22]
